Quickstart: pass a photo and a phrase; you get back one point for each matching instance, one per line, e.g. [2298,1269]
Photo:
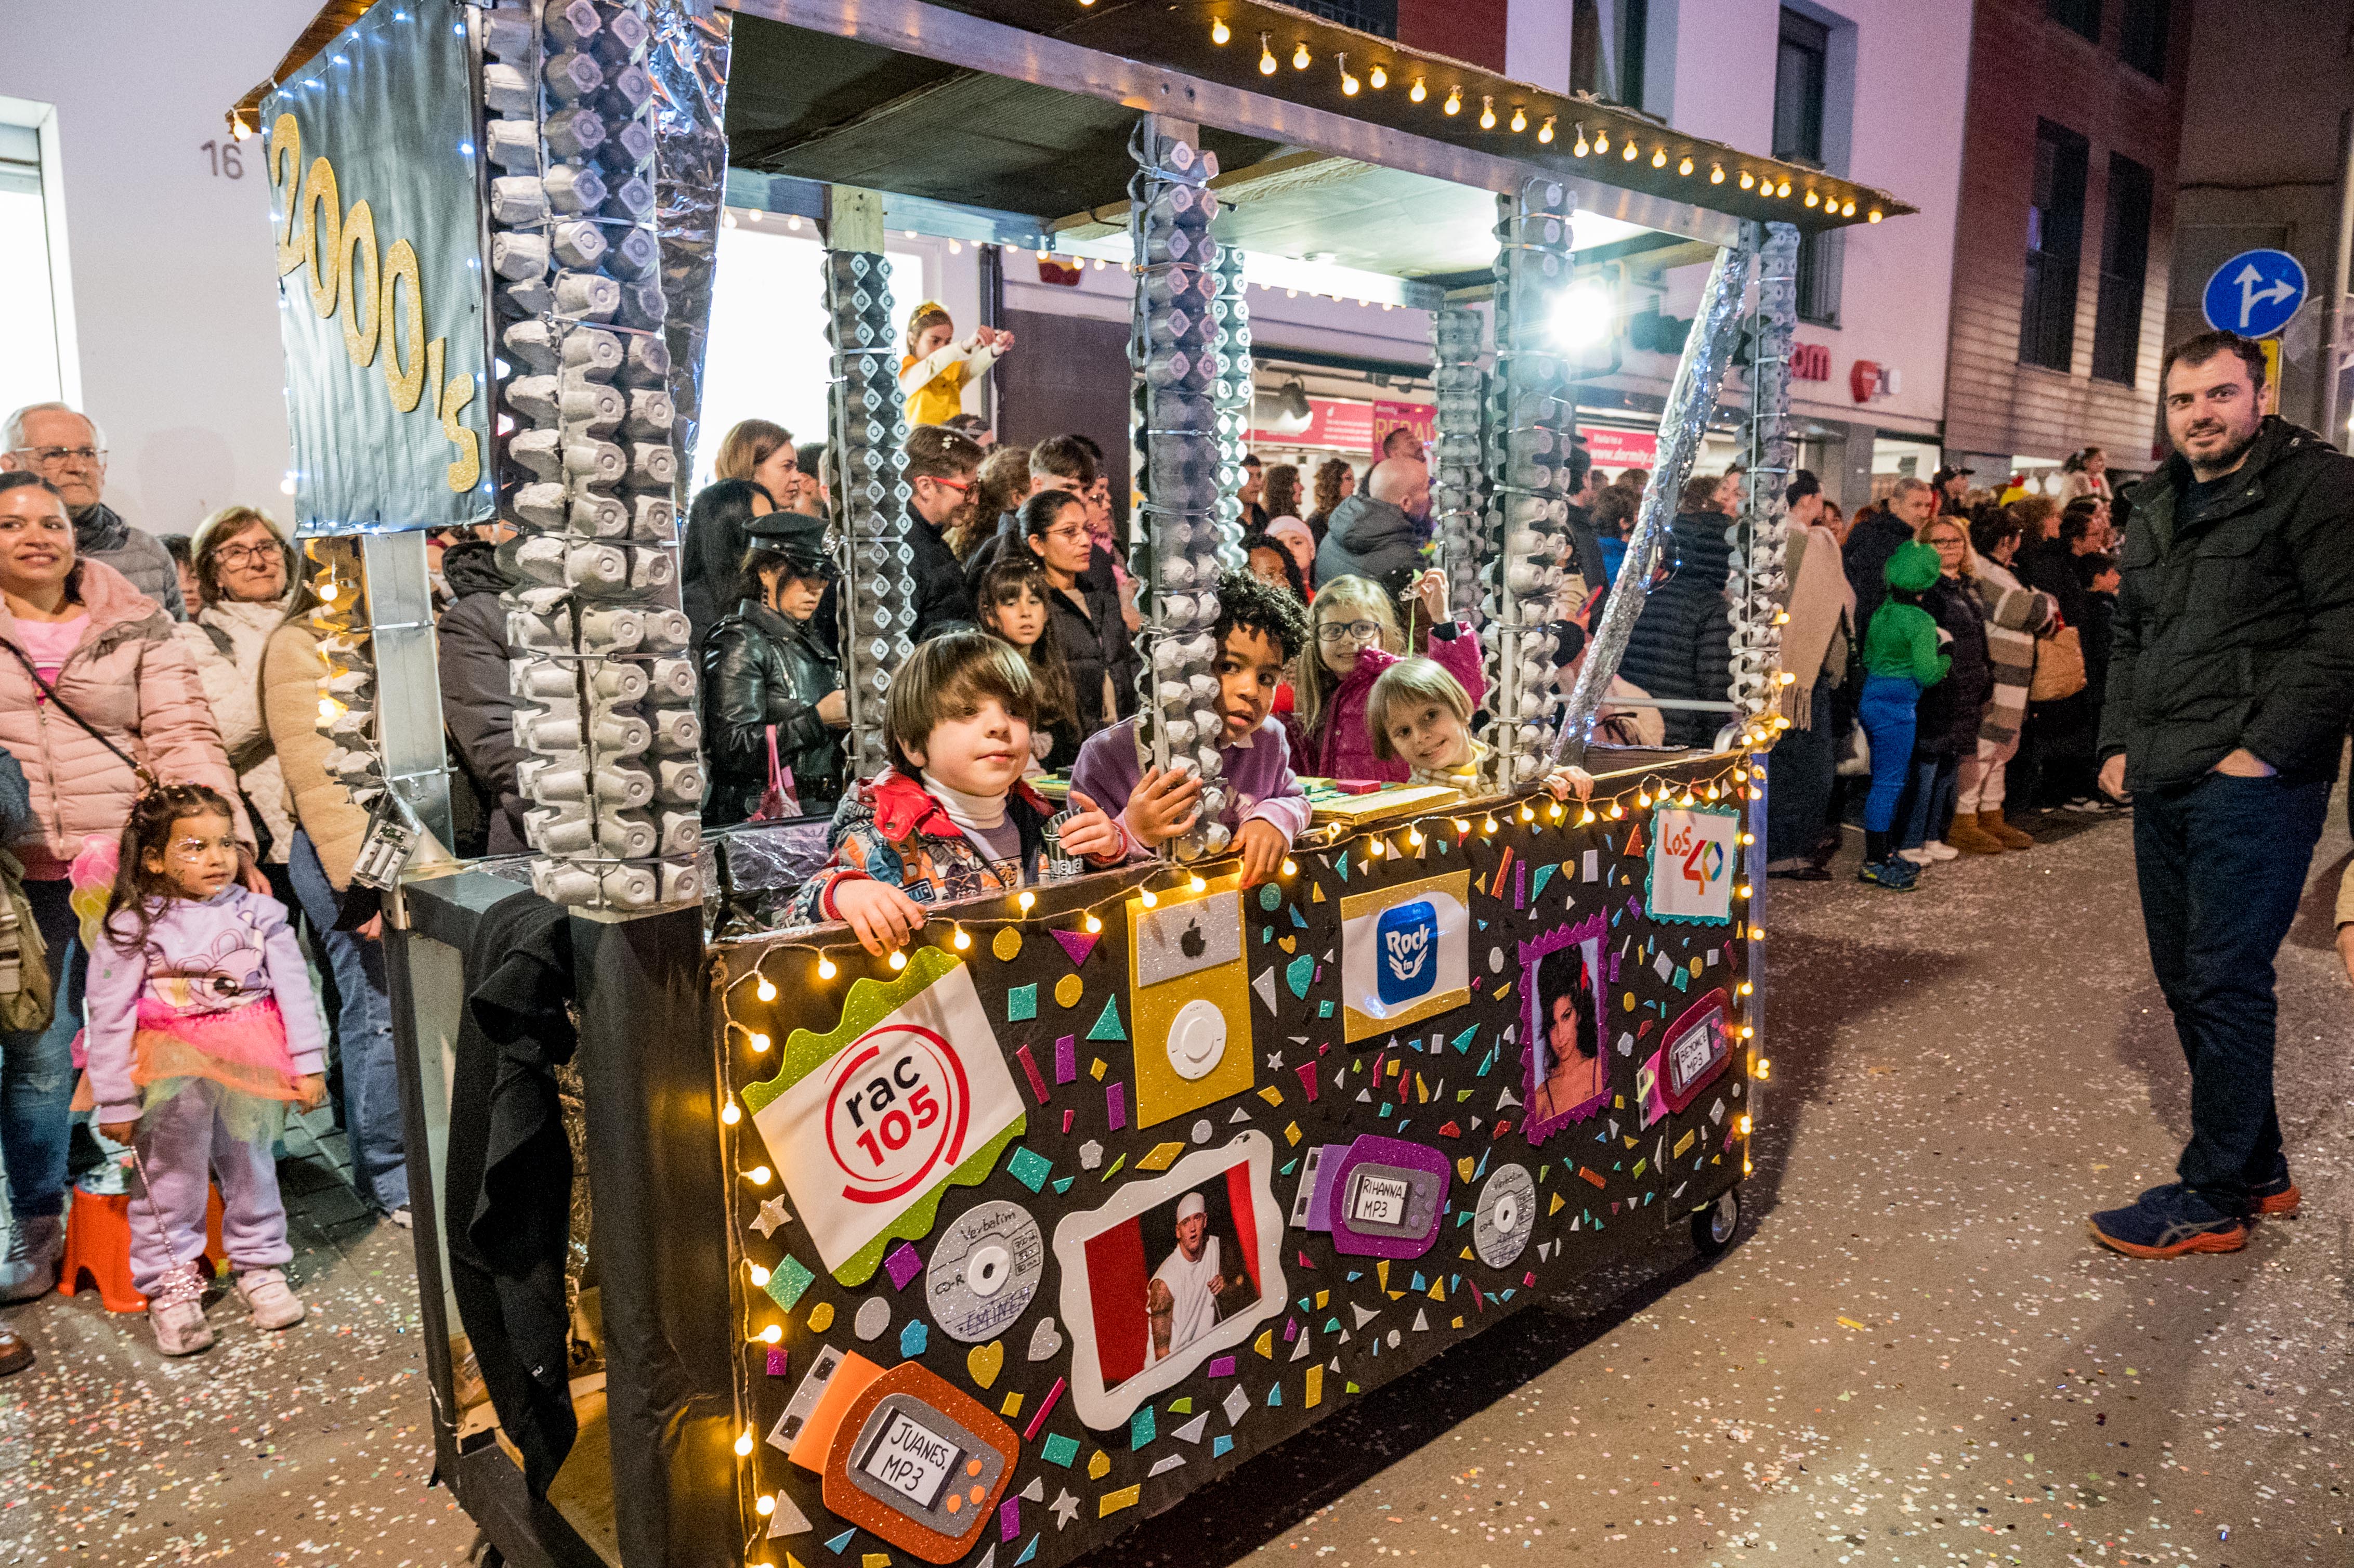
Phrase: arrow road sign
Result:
[2254,293]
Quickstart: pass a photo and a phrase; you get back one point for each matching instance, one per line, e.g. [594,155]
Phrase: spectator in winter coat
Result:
[1952,711]
[719,525]
[478,703]
[764,669]
[1087,621]
[1681,647]
[107,652]
[1874,538]
[245,581]
[1378,532]
[2016,616]
[1816,643]
[68,449]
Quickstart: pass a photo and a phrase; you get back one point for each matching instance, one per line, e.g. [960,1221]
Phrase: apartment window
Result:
[1801,71]
[2125,263]
[2055,239]
[1376,16]
[1820,259]
[2141,40]
[2080,16]
[32,369]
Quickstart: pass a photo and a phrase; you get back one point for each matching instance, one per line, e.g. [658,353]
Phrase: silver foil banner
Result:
[687,63]
[1456,489]
[1691,397]
[1758,588]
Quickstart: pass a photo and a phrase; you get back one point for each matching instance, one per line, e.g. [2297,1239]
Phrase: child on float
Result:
[950,817]
[1353,636]
[1260,629]
[937,369]
[202,1028]
[1012,598]
[1901,659]
[1419,714]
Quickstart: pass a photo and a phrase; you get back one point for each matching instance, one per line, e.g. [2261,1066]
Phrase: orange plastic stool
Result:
[98,1241]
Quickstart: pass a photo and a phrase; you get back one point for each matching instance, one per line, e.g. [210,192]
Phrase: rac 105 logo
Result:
[896,1108]
[1702,858]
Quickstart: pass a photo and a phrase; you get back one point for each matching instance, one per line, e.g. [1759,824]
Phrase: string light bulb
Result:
[1586,819]
[1144,896]
[772,1334]
[766,1506]
[1195,884]
[1290,867]
[758,1175]
[1487,826]
[1094,923]
[1685,167]
[962,938]
[825,970]
[760,1275]
[1716,174]
[760,1044]
[1659,157]
[1872,216]
[1618,811]
[1487,113]
[1219,32]
[330,709]
[898,959]
[1629,150]
[1027,899]
[1846,209]
[1378,76]
[328,591]
[744,1443]
[1266,56]
[1374,848]
[1300,58]
[730,1114]
[1544,132]
[1419,92]
[1520,118]
[1812,199]
[1602,140]
[765,989]
[1413,837]
[1348,83]
[1527,815]
[1454,100]
[1784,190]
[1583,146]
[1747,179]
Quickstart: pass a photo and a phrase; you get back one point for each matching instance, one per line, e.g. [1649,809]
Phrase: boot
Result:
[1992,823]
[1969,837]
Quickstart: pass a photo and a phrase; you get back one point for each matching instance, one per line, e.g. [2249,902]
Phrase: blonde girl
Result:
[936,368]
[1353,636]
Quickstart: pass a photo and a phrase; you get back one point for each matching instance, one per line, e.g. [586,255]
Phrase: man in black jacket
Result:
[941,467]
[477,704]
[2231,682]
[1874,538]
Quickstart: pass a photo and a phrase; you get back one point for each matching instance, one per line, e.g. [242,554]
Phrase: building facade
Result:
[2065,233]
[2287,189]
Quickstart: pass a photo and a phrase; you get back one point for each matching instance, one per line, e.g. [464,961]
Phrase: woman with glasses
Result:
[1953,711]
[1087,619]
[1353,636]
[244,571]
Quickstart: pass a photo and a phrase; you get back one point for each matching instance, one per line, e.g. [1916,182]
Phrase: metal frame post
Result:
[1758,589]
[407,676]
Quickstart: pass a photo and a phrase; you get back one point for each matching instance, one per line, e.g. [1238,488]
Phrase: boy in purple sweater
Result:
[1260,629]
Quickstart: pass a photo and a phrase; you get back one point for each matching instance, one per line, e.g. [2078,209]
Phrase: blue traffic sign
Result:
[2254,293]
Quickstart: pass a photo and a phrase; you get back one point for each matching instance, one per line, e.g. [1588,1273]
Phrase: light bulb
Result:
[1374,848]
[1812,199]
[1454,100]
[1784,190]
[1527,815]
[1544,132]
[1847,209]
[1744,1126]
[1487,826]
[1618,811]
[1290,867]
[765,989]
[330,709]
[1348,83]
[1145,896]
[1747,179]
[1659,157]
[1555,812]
[772,1334]
[1419,92]
[825,970]
[766,1506]
[730,1114]
[1744,988]
[1629,152]
[328,591]
[1487,113]
[1582,147]
[1197,885]
[1378,76]
[1586,820]
[1520,118]
[1094,923]
[1872,216]
[962,938]
[1413,837]
[1742,891]
[760,1044]
[1716,174]
[1301,58]
[1219,32]
[759,1276]
[1026,900]
[898,959]
[1266,56]
[744,1443]
[1685,167]
[1461,826]
[1602,140]
[758,1175]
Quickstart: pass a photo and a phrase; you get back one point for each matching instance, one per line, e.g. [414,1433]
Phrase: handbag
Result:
[780,801]
[2059,667]
[27,995]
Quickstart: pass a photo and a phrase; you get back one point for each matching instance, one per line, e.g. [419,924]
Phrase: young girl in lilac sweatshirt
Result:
[202,1029]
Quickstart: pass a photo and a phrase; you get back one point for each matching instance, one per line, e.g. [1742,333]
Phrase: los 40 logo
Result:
[1702,857]
[897,1109]
[1691,863]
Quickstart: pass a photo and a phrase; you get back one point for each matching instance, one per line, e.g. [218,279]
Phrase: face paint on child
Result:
[199,858]
[1249,668]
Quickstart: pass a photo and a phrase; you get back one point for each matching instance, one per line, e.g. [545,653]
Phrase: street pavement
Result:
[1911,1356]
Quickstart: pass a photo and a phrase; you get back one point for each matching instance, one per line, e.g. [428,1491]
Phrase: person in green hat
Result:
[1900,660]
[773,702]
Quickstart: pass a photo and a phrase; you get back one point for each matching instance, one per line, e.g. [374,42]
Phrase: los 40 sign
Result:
[374,206]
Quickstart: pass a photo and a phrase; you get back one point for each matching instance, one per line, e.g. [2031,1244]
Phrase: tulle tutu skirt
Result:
[239,1055]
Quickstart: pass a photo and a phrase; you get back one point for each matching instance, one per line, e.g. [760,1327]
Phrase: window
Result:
[2141,40]
[2055,239]
[1819,258]
[2080,16]
[2125,263]
[1801,71]
[1378,17]
[31,367]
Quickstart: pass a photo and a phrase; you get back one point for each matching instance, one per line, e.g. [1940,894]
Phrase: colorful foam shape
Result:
[787,1280]
[1077,945]
[1020,1004]
[1027,1166]
[1107,1025]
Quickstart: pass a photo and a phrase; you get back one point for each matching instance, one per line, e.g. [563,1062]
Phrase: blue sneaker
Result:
[1895,875]
[2167,1222]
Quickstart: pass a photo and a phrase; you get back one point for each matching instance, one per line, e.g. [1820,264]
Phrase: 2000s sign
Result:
[896,1107]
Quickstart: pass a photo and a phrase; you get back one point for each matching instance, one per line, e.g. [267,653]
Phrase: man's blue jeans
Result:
[2222,864]
[36,1070]
[363,1035]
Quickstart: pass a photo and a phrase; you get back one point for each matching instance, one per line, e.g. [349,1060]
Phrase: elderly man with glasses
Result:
[68,448]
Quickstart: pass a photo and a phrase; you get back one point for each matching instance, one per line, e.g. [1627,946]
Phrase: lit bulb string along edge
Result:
[1641,789]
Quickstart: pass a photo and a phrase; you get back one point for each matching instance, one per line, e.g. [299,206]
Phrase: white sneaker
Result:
[176,1313]
[30,1266]
[1920,857]
[1938,849]
[269,1298]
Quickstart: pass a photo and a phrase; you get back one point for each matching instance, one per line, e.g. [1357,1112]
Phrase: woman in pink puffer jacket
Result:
[109,652]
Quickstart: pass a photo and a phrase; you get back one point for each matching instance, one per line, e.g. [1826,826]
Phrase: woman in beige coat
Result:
[77,628]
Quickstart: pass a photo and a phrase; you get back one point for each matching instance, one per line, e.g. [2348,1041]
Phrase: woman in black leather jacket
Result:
[764,665]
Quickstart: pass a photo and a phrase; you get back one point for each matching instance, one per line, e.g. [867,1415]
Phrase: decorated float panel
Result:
[1066,1209]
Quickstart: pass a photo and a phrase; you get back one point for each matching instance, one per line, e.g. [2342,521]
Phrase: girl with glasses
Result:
[1353,636]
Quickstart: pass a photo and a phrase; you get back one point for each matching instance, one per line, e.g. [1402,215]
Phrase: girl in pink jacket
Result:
[203,1028]
[1353,636]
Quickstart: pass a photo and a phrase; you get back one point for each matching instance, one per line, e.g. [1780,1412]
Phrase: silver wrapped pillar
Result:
[1457,490]
[1758,589]
[1690,397]
[1189,534]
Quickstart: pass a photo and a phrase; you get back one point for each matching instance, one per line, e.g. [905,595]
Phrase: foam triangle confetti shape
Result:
[789,1519]
[1078,944]
[1107,1025]
[1264,983]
